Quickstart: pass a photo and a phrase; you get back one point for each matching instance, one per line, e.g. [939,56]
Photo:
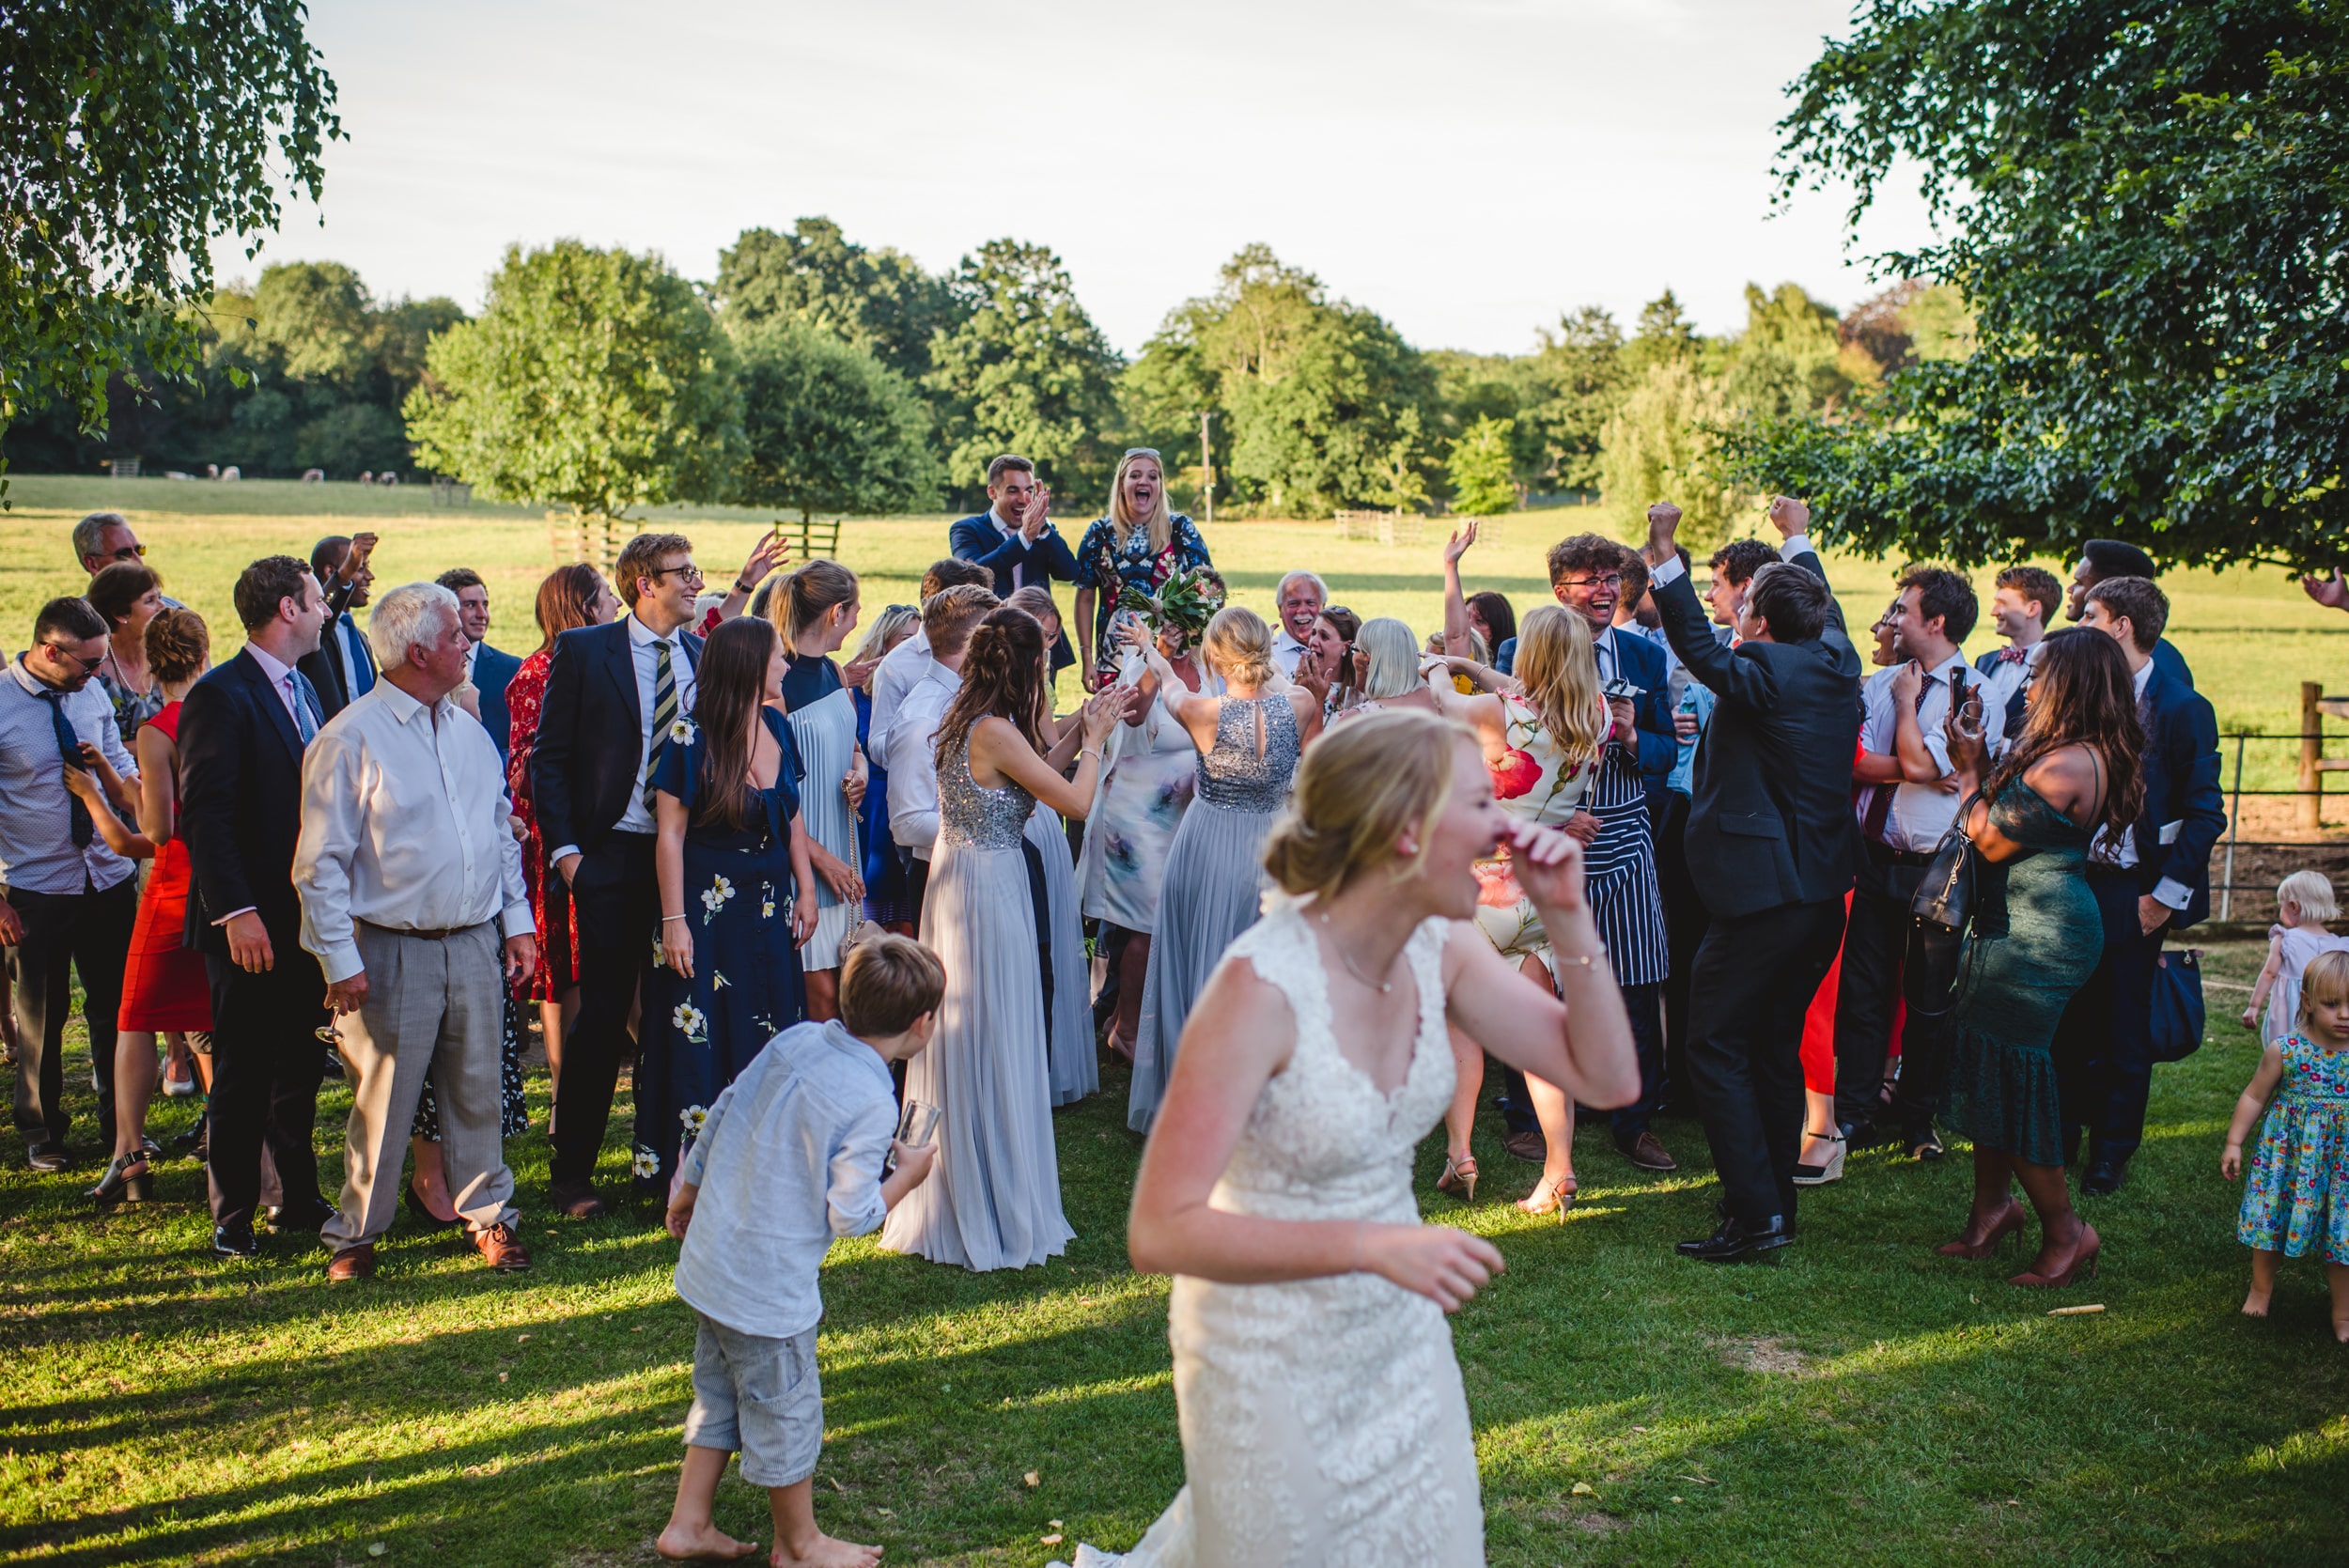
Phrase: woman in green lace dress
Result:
[2036,935]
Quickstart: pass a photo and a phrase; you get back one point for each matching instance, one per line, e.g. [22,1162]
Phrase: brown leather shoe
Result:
[354,1263]
[1648,1152]
[1528,1146]
[575,1198]
[501,1249]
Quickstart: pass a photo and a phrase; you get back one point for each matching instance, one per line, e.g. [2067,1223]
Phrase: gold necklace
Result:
[1382,987]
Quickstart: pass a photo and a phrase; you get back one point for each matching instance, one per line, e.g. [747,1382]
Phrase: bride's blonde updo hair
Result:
[1240,645]
[1360,787]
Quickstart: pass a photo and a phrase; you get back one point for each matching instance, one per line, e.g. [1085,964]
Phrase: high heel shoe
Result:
[415,1206]
[127,1176]
[1551,1197]
[2010,1222]
[1460,1175]
[2091,1244]
[1819,1175]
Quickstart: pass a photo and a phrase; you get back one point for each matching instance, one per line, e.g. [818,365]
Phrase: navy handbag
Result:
[2175,1026]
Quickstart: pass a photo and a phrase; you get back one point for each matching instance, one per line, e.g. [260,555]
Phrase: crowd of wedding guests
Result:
[375,847]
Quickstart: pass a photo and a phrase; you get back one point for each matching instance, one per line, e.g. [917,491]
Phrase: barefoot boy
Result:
[789,1158]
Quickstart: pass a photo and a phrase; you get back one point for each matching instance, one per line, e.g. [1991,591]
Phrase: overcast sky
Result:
[1468,168]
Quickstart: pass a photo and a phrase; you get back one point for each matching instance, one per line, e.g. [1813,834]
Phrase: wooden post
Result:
[2312,755]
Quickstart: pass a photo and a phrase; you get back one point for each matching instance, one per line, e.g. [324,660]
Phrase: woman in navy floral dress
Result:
[1140,543]
[737,894]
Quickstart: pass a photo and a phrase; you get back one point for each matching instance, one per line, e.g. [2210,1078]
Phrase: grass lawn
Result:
[1861,1400]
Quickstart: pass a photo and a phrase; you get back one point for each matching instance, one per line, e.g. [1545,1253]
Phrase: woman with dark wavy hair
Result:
[993,1197]
[2073,771]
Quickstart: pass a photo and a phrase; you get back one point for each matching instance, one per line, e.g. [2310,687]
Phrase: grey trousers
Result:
[432,1005]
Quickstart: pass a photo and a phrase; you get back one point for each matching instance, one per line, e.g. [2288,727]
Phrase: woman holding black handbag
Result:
[2072,770]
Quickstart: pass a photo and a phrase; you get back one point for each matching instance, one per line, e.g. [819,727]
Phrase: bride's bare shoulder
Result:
[1242,1015]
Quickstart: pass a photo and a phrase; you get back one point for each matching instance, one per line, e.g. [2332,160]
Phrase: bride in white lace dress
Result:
[1322,1415]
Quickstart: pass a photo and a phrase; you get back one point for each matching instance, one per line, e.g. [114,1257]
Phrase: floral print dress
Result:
[1535,783]
[1108,560]
[2296,1196]
[746,987]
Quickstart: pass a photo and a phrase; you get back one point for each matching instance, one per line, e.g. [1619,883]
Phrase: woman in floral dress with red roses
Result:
[1543,730]
[1139,544]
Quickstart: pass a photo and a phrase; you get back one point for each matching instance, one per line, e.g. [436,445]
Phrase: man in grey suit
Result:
[1773,846]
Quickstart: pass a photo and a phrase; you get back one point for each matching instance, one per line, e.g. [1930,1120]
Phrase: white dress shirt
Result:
[1921,814]
[281,680]
[2007,676]
[643,646]
[403,826]
[1286,651]
[913,759]
[899,669]
[1010,531]
[37,849]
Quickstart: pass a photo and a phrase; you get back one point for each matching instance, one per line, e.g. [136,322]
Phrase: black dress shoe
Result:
[1926,1146]
[309,1218]
[47,1159]
[234,1241]
[2104,1178]
[1737,1239]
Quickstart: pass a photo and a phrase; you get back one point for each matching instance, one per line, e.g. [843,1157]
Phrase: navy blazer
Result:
[582,765]
[1643,663]
[1769,811]
[492,668]
[239,804]
[977,539]
[2182,791]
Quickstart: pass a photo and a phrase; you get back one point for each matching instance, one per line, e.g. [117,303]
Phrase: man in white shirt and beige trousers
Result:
[411,881]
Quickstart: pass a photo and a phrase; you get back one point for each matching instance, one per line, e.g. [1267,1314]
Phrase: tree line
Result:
[815,373]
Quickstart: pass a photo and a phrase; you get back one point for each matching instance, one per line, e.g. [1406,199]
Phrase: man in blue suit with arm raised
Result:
[1015,538]
[2151,881]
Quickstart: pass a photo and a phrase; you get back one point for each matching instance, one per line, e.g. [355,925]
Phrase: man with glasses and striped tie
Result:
[615,694]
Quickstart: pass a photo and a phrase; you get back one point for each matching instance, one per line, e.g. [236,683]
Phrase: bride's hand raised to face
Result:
[1549,867]
[1447,1266]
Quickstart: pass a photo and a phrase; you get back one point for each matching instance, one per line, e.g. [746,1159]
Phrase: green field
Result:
[2252,635]
[1859,1401]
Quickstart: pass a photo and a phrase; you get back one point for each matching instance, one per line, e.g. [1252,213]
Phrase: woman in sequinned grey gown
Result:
[993,1197]
[1249,742]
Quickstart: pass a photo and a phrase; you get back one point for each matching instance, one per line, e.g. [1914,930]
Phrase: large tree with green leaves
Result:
[134,135]
[1025,370]
[594,379]
[2147,212]
[826,426]
[880,301]
[1482,467]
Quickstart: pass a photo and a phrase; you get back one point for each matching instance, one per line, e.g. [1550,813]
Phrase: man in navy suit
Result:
[341,669]
[487,668]
[242,733]
[1015,538]
[2104,558]
[615,693]
[2151,881]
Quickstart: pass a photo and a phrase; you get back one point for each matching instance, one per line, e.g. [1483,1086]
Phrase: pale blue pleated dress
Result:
[993,1201]
[823,726]
[1215,879]
[1075,1070]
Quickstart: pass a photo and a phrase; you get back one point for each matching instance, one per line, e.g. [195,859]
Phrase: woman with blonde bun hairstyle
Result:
[1321,1407]
[1249,740]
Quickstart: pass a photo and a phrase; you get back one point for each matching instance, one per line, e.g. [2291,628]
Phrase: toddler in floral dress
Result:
[2297,1198]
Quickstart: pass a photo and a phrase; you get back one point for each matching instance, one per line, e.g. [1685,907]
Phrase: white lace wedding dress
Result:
[1323,1420]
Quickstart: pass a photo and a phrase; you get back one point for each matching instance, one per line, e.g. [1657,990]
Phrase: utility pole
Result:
[1206,466]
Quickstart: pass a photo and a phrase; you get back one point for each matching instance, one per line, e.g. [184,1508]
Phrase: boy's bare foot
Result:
[2255,1304]
[709,1543]
[825,1552]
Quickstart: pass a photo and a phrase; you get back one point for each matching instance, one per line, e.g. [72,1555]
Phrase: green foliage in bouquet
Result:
[1187,600]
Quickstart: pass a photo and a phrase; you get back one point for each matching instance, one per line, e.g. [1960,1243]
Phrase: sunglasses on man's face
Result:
[89,666]
[130,553]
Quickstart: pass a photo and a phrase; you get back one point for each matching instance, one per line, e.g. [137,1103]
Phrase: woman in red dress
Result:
[165,987]
[572,595]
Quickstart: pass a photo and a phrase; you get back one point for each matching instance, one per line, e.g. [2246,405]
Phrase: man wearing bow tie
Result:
[243,734]
[2020,603]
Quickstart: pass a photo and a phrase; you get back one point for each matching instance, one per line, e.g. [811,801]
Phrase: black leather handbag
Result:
[1938,914]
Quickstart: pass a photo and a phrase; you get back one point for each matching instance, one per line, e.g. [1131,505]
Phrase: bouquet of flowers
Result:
[1187,600]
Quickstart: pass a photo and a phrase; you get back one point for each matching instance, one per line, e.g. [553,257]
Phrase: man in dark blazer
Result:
[1586,575]
[1015,538]
[342,666]
[488,669]
[613,694]
[2155,881]
[1773,848]
[242,733]
[2104,558]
